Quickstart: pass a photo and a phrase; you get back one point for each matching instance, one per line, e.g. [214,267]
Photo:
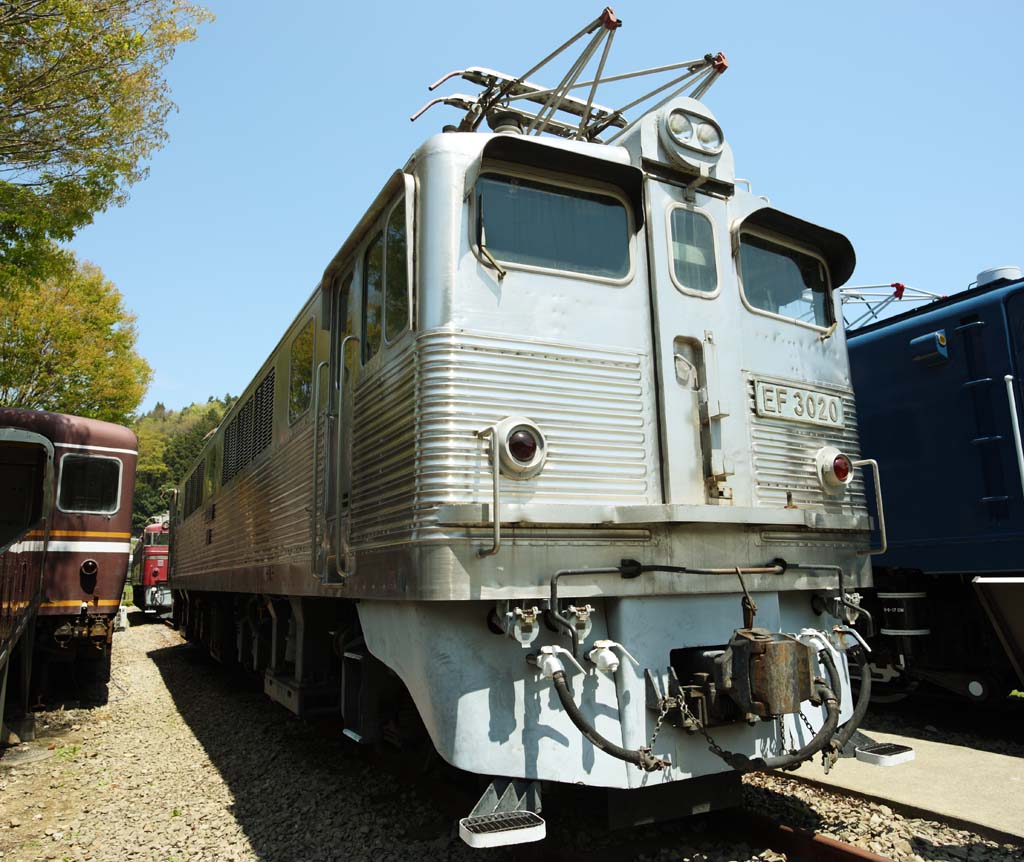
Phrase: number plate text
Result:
[798,405]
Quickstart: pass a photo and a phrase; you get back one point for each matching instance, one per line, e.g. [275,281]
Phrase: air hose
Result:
[638,757]
[860,710]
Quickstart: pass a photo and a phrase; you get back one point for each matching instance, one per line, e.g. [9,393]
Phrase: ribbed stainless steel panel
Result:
[783,458]
[592,404]
[262,515]
[384,454]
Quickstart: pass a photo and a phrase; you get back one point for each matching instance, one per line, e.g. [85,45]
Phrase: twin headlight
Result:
[692,131]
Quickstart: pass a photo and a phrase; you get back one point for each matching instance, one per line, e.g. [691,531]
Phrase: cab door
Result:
[686,252]
[334,561]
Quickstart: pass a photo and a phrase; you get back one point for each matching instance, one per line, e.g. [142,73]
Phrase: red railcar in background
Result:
[149,567]
[84,554]
[26,504]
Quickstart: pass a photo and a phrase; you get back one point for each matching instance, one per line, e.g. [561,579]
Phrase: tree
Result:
[169,442]
[82,106]
[69,346]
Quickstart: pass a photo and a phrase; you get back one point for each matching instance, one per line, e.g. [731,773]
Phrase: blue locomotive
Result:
[939,394]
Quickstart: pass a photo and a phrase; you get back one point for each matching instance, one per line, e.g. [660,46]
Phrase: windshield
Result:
[784,281]
[538,224]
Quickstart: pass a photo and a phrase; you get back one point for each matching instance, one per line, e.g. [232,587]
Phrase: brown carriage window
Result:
[538,224]
[693,251]
[784,280]
[373,296]
[89,484]
[300,391]
[396,275]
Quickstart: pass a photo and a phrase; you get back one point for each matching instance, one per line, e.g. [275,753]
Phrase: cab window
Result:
[301,372]
[783,280]
[396,276]
[373,295]
[89,484]
[536,224]
[693,251]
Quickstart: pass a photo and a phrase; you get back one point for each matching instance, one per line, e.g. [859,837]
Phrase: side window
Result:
[693,251]
[348,325]
[300,386]
[373,295]
[396,274]
[89,484]
[784,281]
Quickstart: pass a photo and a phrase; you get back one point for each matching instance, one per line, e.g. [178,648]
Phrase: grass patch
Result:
[67,752]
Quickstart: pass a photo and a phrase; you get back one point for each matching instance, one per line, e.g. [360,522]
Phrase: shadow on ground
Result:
[302,791]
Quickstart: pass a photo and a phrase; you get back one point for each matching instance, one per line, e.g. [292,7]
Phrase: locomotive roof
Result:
[939,304]
[62,428]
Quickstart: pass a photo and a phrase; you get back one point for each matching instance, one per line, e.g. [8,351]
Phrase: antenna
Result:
[582,119]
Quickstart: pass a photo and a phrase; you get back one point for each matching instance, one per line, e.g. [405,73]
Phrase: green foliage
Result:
[69,346]
[169,442]
[83,105]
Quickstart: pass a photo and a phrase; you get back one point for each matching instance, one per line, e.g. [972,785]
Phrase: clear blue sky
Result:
[897,123]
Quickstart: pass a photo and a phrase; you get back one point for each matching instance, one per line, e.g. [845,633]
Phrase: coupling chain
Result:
[670,703]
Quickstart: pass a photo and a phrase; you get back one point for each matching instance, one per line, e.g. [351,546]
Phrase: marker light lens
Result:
[523,446]
[841,468]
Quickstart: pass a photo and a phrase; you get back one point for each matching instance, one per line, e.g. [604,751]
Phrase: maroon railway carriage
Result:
[149,567]
[26,503]
[86,555]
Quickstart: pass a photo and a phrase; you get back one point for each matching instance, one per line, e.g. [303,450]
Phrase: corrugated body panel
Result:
[592,404]
[783,459]
[384,453]
[261,516]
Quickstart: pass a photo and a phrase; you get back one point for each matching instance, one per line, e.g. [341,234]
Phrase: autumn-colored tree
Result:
[83,104]
[69,346]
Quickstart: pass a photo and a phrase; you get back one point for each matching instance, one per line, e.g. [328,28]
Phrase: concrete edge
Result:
[989,832]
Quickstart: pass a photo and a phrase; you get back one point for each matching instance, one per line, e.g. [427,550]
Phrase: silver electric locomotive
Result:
[562,451]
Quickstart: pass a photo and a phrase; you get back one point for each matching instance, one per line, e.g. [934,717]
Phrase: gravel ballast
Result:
[185,764]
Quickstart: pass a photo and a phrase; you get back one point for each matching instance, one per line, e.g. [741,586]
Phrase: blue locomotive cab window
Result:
[536,224]
[89,484]
[785,281]
[693,251]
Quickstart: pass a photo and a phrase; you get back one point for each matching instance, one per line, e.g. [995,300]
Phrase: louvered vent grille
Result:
[194,489]
[251,431]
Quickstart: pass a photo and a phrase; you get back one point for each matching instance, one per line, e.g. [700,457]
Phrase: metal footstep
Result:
[885,754]
[508,817]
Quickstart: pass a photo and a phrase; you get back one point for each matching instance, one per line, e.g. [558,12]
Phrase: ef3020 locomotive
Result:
[562,452]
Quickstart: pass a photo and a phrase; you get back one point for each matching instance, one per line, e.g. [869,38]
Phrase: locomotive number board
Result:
[797,404]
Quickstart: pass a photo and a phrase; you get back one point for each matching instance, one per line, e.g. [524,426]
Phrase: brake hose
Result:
[638,757]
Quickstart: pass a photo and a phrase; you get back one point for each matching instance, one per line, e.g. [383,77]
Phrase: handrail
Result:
[316,460]
[338,571]
[884,542]
[496,488]
[1008,379]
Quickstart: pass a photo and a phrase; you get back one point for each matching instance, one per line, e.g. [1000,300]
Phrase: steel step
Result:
[502,828]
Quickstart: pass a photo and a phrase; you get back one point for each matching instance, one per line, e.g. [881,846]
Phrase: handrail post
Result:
[316,461]
[884,542]
[340,573]
[496,489]
[1008,379]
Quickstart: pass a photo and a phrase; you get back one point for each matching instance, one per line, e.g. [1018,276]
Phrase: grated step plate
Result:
[885,754]
[502,828]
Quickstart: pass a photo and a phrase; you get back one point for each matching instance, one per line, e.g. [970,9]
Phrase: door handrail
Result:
[339,573]
[1008,380]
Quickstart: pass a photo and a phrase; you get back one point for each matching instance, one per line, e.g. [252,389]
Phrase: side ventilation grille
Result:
[251,431]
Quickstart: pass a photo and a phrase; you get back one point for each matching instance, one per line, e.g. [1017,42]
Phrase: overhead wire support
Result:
[499,91]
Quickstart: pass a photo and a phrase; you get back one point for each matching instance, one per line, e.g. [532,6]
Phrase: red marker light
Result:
[842,467]
[523,445]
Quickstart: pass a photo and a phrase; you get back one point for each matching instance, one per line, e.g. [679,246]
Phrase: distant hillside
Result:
[169,441]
